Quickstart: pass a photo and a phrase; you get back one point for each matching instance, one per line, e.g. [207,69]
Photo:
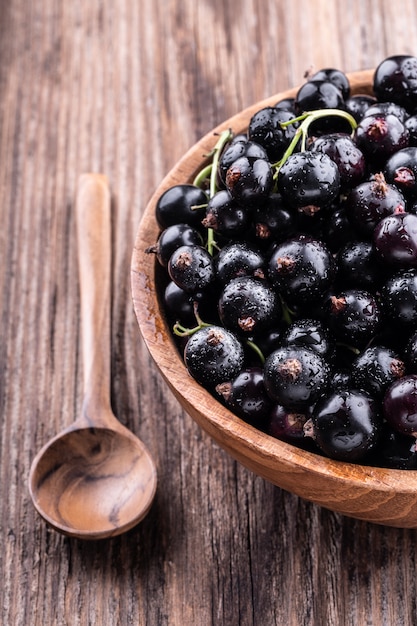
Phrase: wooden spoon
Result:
[95,479]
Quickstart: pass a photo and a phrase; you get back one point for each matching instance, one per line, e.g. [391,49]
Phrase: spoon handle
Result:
[93,204]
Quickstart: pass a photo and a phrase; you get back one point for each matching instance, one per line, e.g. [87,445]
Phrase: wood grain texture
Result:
[126,88]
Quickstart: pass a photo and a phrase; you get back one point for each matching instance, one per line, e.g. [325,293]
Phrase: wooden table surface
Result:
[125,88]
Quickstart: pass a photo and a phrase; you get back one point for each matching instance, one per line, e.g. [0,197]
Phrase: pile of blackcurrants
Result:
[290,268]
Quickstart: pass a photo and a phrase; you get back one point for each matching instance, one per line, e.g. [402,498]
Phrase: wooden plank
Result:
[125,88]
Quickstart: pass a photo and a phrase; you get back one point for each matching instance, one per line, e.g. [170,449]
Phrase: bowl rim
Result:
[240,439]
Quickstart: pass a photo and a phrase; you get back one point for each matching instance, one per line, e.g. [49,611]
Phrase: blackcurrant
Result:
[400,405]
[379,136]
[345,424]
[335,76]
[172,238]
[287,425]
[401,170]
[301,269]
[399,300]
[265,129]
[239,259]
[358,104]
[395,80]
[370,201]
[249,180]
[191,268]
[273,221]
[345,153]
[309,181]
[296,376]
[375,369]
[353,316]
[358,266]
[213,354]
[309,333]
[181,203]
[246,396]
[240,146]
[225,216]
[248,305]
[395,239]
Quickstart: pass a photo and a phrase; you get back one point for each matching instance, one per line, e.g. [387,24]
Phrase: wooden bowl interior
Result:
[378,495]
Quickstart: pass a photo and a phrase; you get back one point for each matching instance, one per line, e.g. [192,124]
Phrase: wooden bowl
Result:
[382,496]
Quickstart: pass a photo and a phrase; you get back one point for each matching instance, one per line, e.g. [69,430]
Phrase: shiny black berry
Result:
[174,237]
[358,266]
[335,76]
[225,216]
[309,333]
[296,376]
[273,221]
[240,146]
[191,268]
[249,305]
[179,304]
[388,107]
[183,203]
[182,307]
[395,80]
[370,201]
[399,300]
[246,396]
[301,269]
[239,259]
[395,239]
[309,181]
[249,180]
[322,94]
[345,425]
[379,136]
[286,104]
[358,104]
[287,425]
[213,354]
[353,316]
[265,129]
[400,405]
[375,369]
[401,170]
[342,150]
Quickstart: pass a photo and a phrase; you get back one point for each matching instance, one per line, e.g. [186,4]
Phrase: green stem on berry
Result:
[302,131]
[203,175]
[211,242]
[286,312]
[348,347]
[224,138]
[256,349]
[195,207]
[183,331]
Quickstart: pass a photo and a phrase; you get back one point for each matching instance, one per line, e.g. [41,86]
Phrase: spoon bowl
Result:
[102,480]
[95,479]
